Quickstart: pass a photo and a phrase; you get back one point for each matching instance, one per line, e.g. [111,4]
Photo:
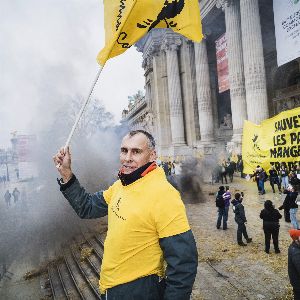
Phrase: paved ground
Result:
[228,271]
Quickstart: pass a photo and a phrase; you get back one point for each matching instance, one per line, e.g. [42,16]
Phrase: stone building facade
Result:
[182,103]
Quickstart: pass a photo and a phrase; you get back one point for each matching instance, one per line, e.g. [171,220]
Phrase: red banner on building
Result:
[25,147]
[222,63]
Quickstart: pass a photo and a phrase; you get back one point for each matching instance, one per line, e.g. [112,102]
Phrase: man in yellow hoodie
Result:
[147,225]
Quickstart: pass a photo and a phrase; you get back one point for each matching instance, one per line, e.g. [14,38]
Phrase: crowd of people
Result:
[3,179]
[170,167]
[281,177]
[224,170]
[15,195]
[270,217]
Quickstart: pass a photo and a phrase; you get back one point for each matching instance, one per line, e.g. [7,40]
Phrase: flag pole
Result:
[83,107]
[92,88]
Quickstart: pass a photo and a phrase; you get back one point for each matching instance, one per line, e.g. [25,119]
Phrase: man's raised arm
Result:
[87,206]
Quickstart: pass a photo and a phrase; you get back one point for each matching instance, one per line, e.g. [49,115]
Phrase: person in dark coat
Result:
[240,219]
[294,262]
[255,177]
[290,207]
[223,171]
[274,179]
[262,177]
[223,204]
[270,217]
[7,197]
[16,195]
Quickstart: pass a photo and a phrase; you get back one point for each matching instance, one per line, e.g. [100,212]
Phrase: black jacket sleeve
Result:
[87,206]
[296,264]
[262,214]
[180,253]
[279,216]
[240,213]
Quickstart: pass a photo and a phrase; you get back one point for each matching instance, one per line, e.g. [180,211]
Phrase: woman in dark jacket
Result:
[270,217]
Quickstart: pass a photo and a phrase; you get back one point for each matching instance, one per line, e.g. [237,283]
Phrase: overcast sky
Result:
[48,52]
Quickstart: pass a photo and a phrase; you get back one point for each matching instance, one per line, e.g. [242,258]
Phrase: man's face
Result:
[135,153]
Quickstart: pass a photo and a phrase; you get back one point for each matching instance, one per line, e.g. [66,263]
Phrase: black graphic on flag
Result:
[120,40]
[170,10]
[255,142]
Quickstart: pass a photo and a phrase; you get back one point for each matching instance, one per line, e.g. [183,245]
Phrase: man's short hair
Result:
[237,196]
[151,141]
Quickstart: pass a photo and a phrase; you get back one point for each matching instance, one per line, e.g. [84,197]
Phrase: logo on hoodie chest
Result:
[116,209]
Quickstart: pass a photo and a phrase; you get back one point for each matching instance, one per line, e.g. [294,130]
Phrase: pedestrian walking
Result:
[16,195]
[7,197]
[270,217]
[147,225]
[223,211]
[231,167]
[294,262]
[240,219]
[223,172]
[220,204]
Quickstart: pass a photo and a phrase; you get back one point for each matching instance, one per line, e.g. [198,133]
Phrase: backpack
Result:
[220,201]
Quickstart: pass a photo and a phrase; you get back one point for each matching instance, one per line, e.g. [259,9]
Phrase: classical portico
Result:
[190,110]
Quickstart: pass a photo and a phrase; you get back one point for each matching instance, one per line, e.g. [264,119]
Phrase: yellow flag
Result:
[126,21]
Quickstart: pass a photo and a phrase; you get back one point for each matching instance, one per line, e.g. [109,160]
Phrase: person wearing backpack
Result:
[240,219]
[220,203]
[227,199]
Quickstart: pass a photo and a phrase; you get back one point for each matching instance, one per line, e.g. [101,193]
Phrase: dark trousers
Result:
[271,232]
[223,175]
[241,230]
[261,185]
[145,288]
[222,214]
[296,294]
[257,183]
[275,181]
[287,217]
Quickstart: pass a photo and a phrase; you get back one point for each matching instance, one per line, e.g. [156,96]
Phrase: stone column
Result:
[254,68]
[160,99]
[235,66]
[174,87]
[204,92]
[188,92]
